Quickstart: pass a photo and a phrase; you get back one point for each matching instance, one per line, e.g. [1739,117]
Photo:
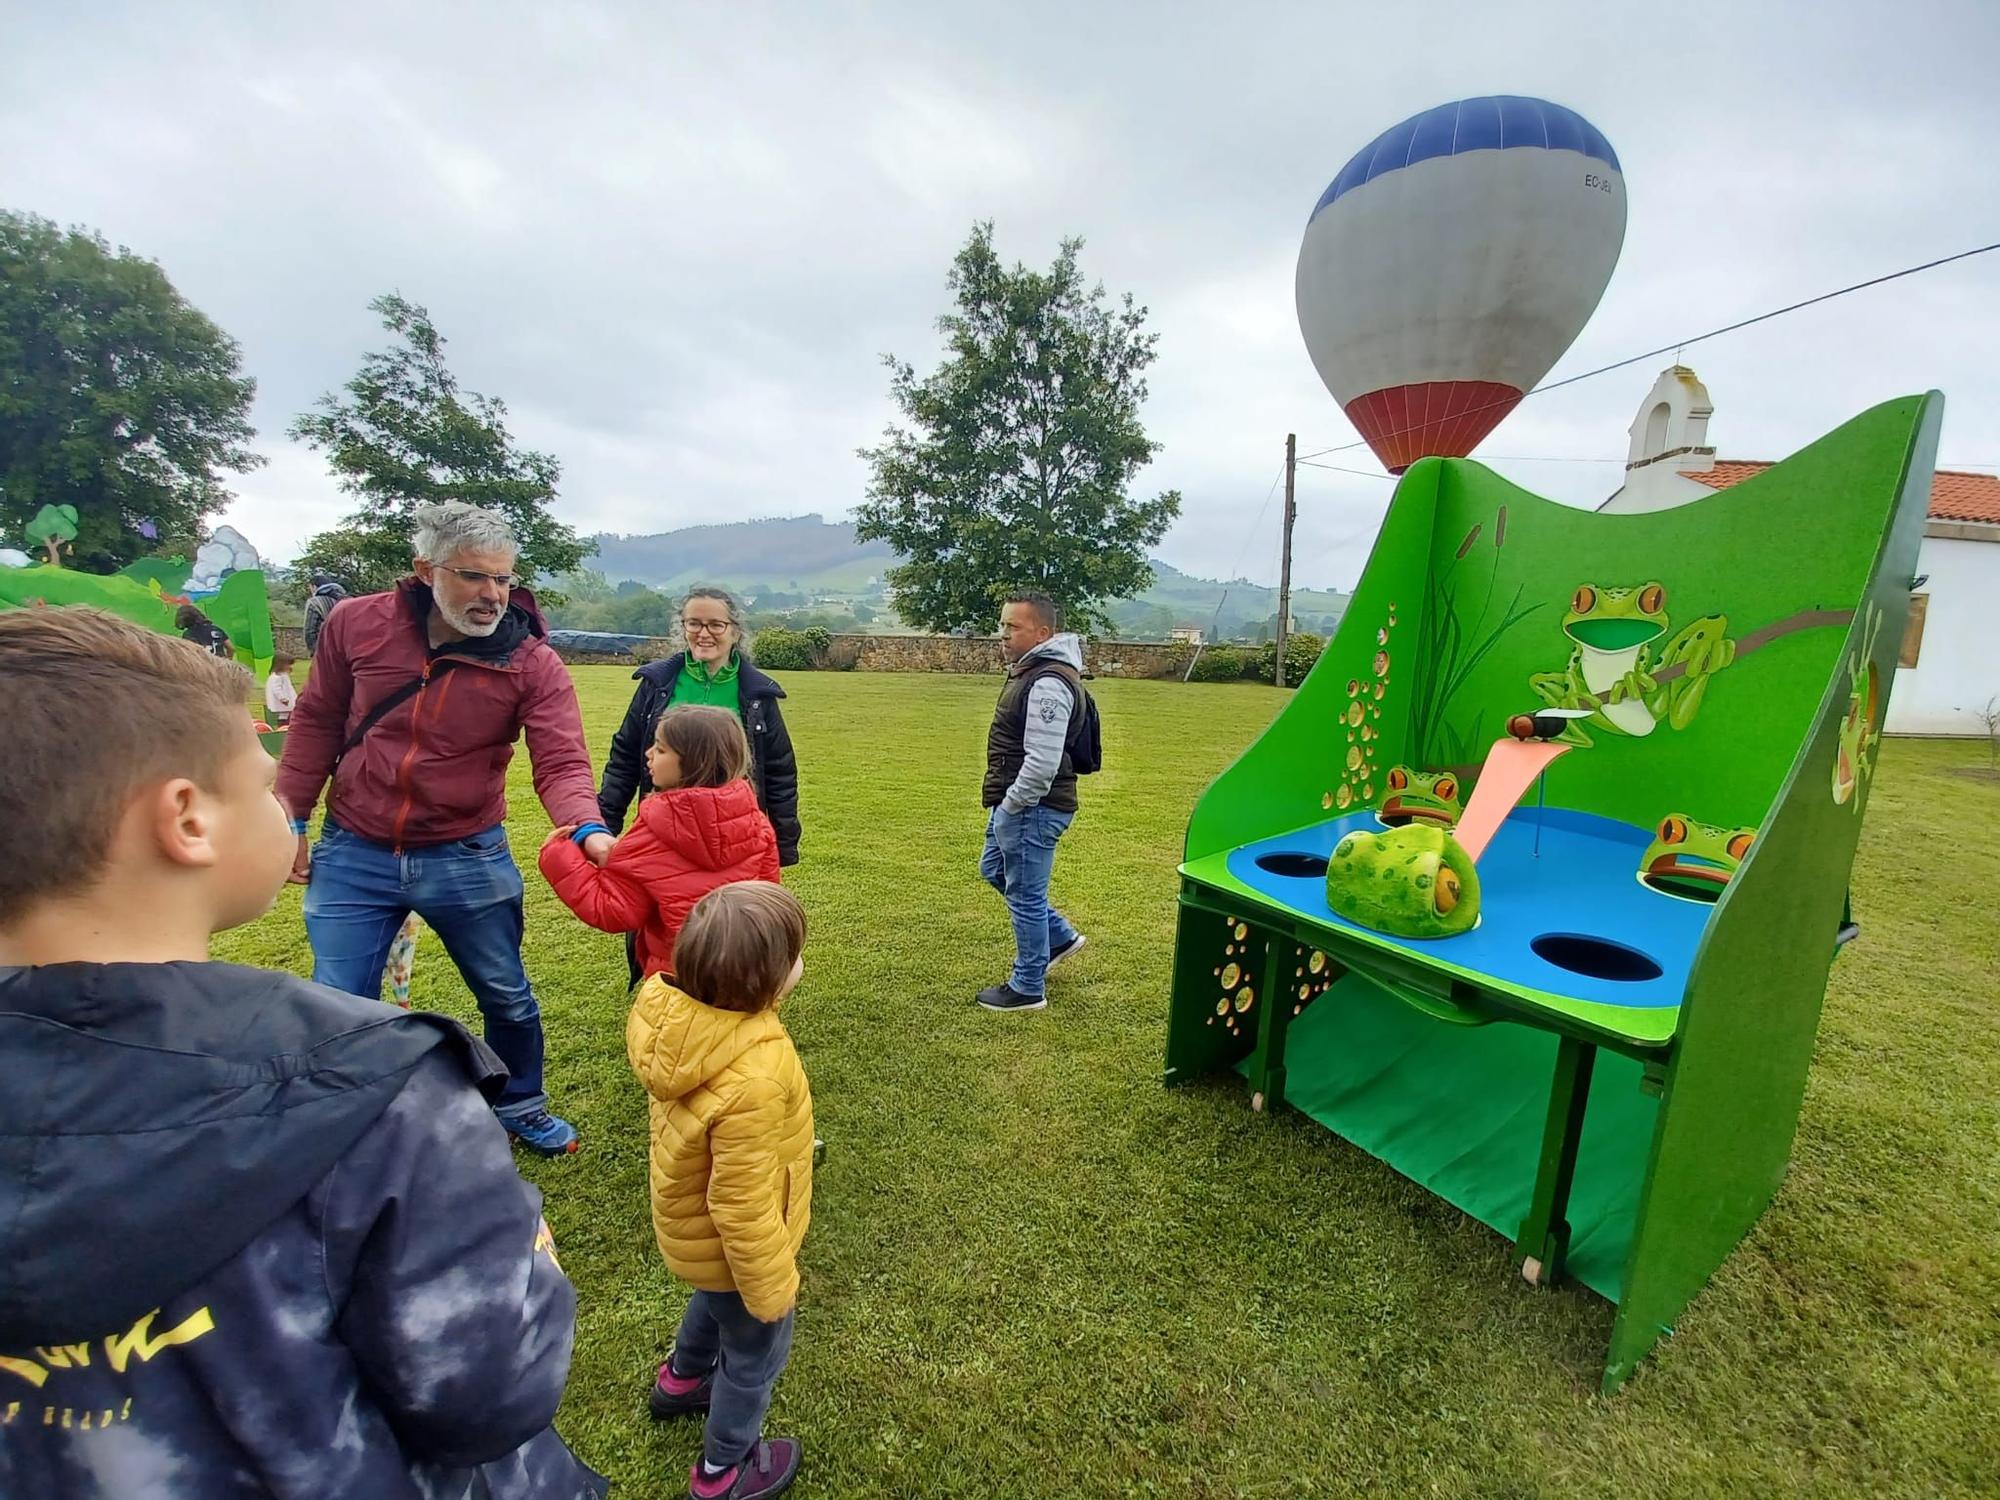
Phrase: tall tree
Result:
[1020,448]
[401,435]
[116,396]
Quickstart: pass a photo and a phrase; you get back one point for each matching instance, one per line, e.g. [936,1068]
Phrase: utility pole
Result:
[1285,557]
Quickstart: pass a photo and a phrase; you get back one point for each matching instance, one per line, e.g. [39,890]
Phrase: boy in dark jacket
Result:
[257,1238]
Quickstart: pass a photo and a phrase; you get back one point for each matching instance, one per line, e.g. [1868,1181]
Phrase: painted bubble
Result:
[1353,757]
[1242,931]
[1343,796]
[1318,962]
[1368,792]
[1230,977]
[1305,992]
[1326,799]
[1353,686]
[1244,998]
[1380,689]
[1222,1006]
[1354,713]
[1381,664]
[1382,636]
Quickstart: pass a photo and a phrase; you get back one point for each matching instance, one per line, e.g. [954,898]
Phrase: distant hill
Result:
[816,558]
[801,554]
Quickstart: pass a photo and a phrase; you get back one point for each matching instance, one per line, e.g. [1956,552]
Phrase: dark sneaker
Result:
[1006,997]
[769,1470]
[542,1133]
[1068,950]
[678,1395]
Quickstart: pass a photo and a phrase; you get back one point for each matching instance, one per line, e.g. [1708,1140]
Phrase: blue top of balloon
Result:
[1497,123]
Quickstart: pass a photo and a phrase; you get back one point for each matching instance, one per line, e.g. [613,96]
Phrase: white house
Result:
[1950,666]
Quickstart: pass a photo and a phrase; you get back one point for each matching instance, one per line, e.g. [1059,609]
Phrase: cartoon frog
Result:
[1853,760]
[1414,881]
[1614,672]
[1690,858]
[1428,796]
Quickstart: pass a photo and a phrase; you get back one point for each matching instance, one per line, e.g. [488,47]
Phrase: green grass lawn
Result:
[1033,1270]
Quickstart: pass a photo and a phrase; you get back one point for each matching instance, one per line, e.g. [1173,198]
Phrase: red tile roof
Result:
[1955,494]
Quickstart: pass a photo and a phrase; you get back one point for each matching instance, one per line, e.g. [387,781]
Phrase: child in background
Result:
[701,830]
[403,959]
[280,697]
[335,1280]
[731,1170]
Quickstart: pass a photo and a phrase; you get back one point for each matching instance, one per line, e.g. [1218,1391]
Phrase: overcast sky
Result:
[677,238]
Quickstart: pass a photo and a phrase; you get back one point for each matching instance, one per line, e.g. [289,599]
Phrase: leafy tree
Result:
[1014,469]
[116,396]
[401,435]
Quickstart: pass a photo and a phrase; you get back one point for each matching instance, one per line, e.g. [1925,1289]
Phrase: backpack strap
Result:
[389,703]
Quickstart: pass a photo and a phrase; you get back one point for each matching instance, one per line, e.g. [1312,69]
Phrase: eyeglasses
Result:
[476,578]
[705,627]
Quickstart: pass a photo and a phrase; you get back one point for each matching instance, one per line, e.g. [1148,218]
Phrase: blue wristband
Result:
[298,825]
[585,830]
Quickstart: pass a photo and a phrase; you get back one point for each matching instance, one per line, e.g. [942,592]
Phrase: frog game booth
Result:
[225,581]
[1533,887]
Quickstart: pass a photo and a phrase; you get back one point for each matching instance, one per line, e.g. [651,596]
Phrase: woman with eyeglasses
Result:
[712,669]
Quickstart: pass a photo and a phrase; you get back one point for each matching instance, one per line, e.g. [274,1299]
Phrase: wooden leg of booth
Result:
[1544,1239]
[1274,1013]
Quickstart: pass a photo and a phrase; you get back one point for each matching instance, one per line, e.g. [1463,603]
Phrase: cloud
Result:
[677,240]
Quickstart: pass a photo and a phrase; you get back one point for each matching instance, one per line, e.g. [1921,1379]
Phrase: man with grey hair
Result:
[416,698]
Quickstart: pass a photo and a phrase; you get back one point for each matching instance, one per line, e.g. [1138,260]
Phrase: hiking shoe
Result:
[1067,950]
[769,1470]
[678,1395]
[542,1133]
[1006,997]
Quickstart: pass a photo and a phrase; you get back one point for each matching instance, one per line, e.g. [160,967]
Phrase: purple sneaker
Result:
[678,1395]
[769,1470]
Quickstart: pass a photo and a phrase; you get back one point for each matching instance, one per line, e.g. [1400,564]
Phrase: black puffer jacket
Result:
[774,770]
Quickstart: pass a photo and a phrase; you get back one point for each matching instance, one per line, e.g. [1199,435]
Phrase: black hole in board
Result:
[1285,862]
[1598,958]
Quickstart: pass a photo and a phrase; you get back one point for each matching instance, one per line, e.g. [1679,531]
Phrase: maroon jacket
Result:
[434,769]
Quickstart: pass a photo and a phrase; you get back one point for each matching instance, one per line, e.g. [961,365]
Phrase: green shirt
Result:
[697,684]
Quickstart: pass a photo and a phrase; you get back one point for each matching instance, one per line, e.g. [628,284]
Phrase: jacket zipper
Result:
[410,755]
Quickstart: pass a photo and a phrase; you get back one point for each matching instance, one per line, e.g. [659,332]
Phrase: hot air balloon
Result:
[1451,263]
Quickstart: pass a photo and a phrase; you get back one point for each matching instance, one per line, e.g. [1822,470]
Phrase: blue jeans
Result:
[1019,857]
[470,895]
[719,1334]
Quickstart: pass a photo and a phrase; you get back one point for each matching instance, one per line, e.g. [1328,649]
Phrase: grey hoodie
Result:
[1050,705]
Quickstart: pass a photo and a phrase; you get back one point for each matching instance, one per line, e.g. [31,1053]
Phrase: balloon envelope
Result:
[1450,264]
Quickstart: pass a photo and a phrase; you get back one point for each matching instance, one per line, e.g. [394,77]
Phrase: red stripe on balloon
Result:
[1448,418]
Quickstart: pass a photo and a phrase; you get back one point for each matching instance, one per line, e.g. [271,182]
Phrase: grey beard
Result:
[464,624]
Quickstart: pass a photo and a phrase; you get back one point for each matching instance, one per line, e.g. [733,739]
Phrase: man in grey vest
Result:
[1030,789]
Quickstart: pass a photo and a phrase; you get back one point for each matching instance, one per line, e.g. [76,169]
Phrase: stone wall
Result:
[939,653]
[902,653]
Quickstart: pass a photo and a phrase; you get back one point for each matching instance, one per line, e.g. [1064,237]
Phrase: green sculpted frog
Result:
[1614,670]
[1689,858]
[1413,882]
[1421,796]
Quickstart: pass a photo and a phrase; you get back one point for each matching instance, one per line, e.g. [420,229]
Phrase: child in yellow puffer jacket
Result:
[731,1170]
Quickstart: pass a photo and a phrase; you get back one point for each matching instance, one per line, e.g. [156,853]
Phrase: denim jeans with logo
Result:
[1019,857]
[469,892]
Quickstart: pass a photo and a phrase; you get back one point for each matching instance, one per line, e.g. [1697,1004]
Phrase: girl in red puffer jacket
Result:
[701,830]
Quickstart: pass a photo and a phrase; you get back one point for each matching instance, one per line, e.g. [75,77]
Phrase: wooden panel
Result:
[1913,631]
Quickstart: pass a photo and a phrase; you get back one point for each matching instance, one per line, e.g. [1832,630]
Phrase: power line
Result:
[1678,344]
[1337,469]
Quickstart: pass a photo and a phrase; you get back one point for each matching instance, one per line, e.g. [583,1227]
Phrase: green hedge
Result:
[1301,651]
[1218,664]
